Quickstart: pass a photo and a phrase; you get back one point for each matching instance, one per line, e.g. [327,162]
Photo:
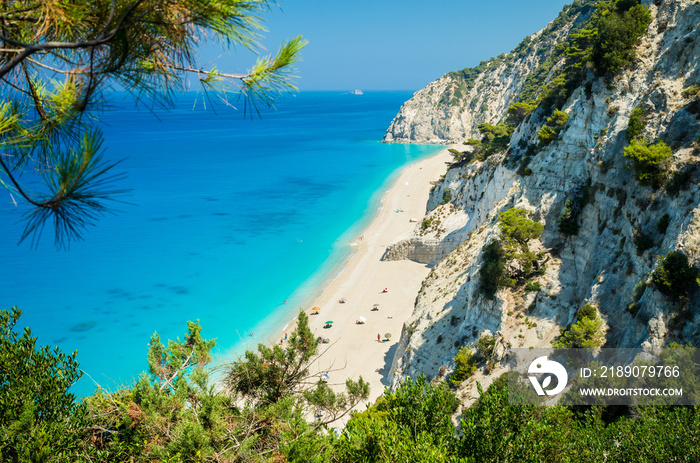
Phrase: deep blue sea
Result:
[227,218]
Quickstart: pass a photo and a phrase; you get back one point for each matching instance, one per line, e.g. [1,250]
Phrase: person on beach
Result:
[379,338]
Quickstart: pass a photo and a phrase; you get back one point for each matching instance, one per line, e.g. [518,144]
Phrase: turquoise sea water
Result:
[228,218]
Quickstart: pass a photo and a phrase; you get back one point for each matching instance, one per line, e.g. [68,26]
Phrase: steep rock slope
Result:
[624,227]
[449,109]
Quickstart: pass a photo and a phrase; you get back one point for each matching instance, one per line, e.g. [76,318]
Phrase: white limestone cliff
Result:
[600,264]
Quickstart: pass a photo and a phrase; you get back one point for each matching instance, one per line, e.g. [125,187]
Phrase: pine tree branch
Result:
[185,364]
[16,184]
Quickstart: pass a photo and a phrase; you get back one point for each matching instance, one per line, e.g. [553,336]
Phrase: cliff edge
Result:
[603,154]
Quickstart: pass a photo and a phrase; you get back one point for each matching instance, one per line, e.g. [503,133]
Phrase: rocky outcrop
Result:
[449,109]
[609,262]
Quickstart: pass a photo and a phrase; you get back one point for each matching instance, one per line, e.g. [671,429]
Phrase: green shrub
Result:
[532,286]
[518,112]
[546,135]
[650,162]
[692,91]
[587,332]
[619,27]
[485,345]
[679,180]
[642,242]
[492,269]
[568,222]
[425,224]
[411,424]
[517,227]
[587,311]
[465,366]
[674,276]
[40,419]
[549,132]
[664,221]
[558,119]
[636,123]
[495,138]
[446,196]
[516,230]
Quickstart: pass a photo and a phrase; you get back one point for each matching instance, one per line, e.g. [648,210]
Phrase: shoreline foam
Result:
[270,329]
[354,350]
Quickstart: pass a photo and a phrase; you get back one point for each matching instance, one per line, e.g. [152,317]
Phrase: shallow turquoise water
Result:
[228,217]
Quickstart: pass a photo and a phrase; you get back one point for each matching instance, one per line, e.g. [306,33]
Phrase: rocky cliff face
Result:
[622,231]
[449,109]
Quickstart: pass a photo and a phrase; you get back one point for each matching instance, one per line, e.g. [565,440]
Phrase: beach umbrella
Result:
[316,308]
[362,319]
[388,335]
[375,305]
[325,376]
[329,322]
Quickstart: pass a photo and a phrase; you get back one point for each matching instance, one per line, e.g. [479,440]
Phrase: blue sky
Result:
[393,44]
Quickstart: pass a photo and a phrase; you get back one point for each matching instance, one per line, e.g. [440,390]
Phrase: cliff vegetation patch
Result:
[508,261]
[586,332]
[675,277]
[569,220]
[650,162]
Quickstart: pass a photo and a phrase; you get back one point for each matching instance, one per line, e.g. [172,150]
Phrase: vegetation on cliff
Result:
[509,261]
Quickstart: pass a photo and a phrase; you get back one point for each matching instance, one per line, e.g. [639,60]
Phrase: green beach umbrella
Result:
[388,335]
[329,322]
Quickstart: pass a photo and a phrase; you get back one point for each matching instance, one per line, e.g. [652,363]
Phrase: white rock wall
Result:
[601,263]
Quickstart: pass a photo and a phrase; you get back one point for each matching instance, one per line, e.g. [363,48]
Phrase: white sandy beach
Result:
[354,350]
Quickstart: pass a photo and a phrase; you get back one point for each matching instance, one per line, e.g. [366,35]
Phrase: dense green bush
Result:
[546,135]
[549,132]
[674,276]
[40,420]
[636,123]
[446,196]
[680,180]
[620,26]
[491,273]
[650,162]
[586,332]
[642,242]
[516,231]
[485,345]
[533,286]
[587,311]
[517,112]
[495,138]
[517,227]
[465,366]
[569,221]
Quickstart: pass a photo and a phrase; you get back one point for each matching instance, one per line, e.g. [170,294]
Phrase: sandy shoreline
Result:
[354,350]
